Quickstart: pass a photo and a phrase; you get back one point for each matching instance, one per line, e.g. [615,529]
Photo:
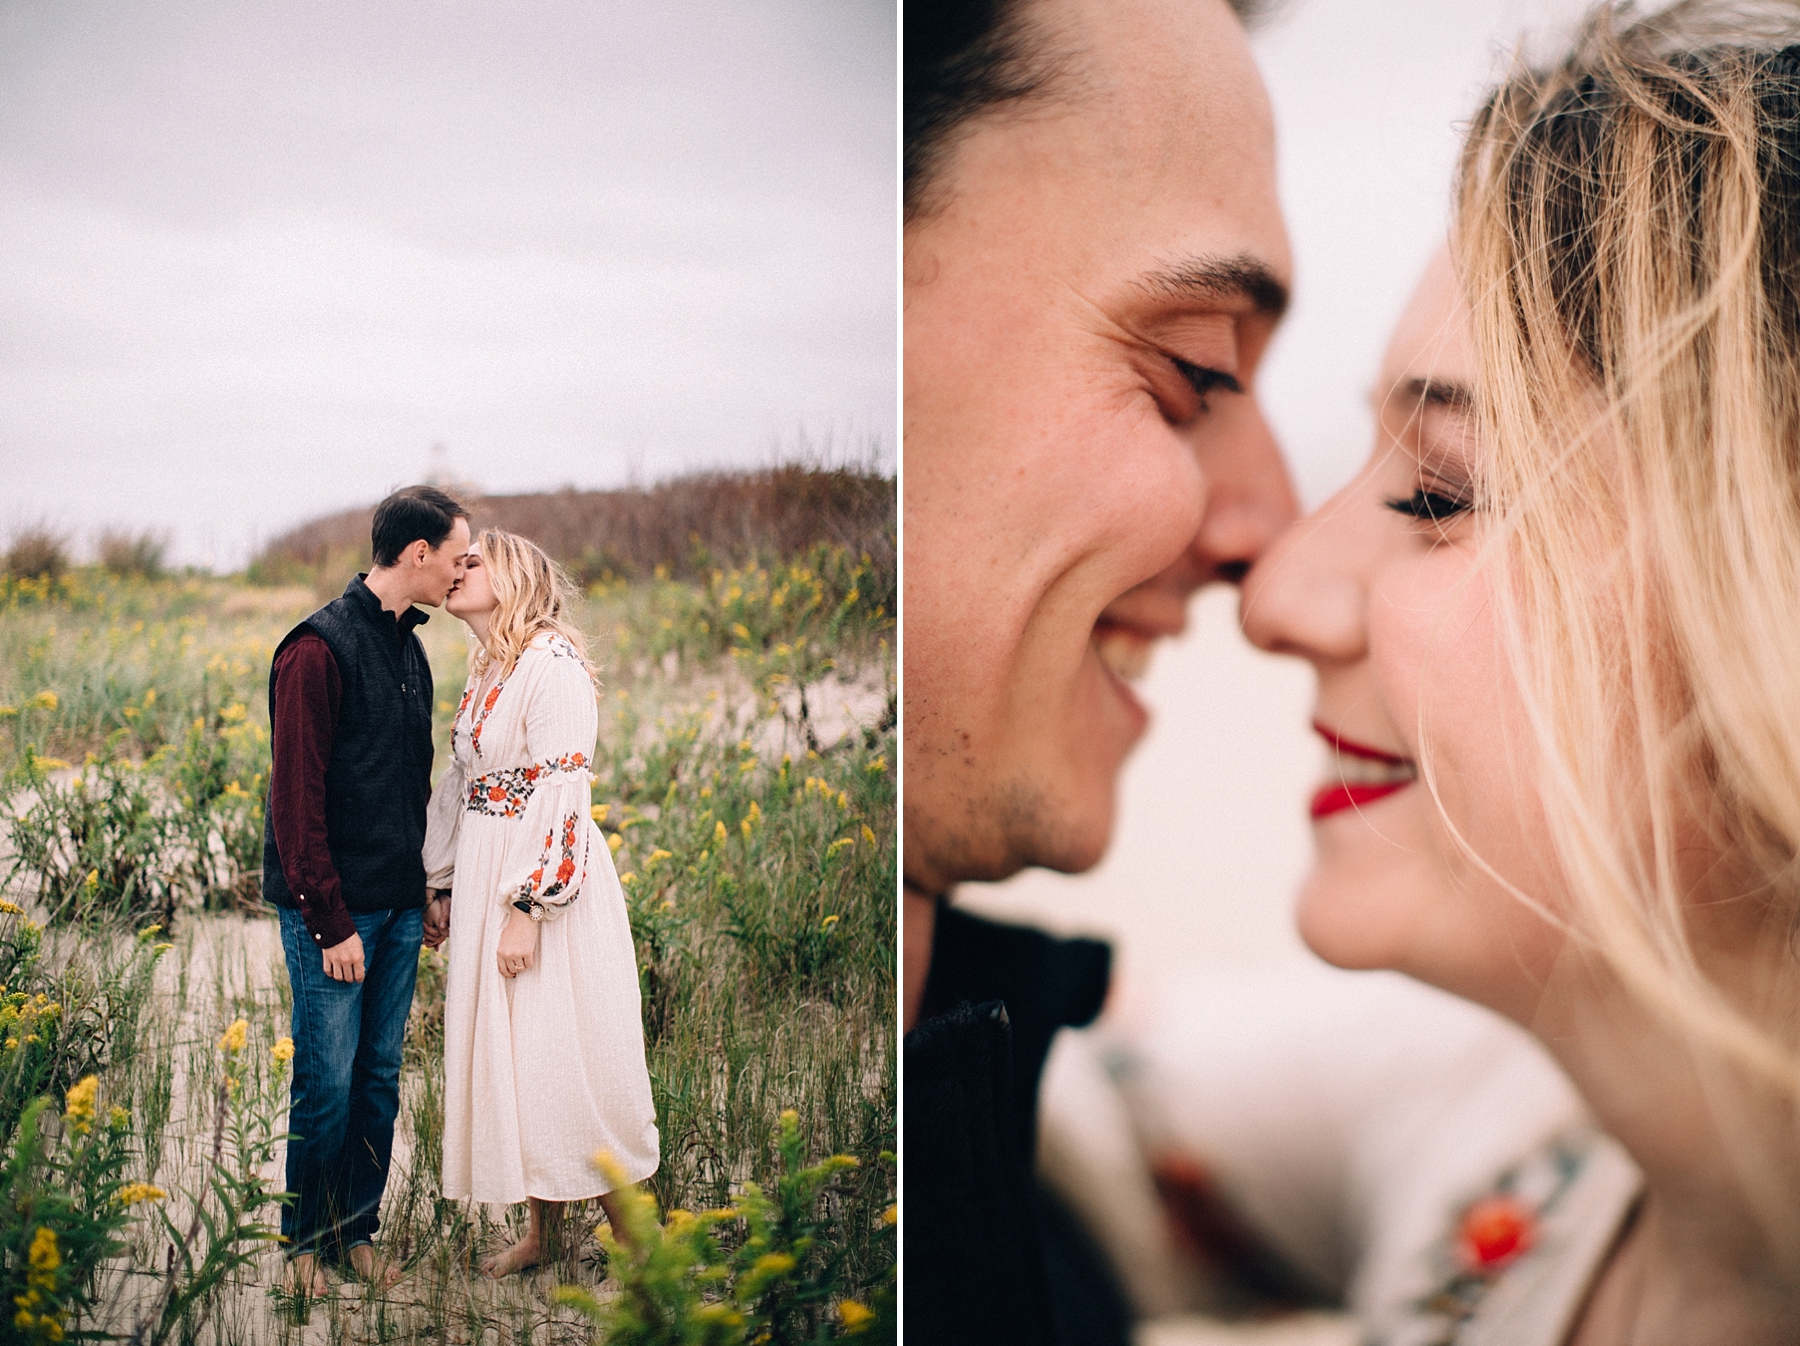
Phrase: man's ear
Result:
[421,552]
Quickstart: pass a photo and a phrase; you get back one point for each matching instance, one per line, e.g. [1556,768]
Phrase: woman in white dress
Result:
[543,1037]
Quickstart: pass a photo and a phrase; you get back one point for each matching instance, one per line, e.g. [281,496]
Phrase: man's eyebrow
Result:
[1445,393]
[1213,278]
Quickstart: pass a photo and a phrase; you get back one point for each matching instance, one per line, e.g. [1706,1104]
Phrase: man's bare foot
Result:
[304,1276]
[525,1253]
[371,1268]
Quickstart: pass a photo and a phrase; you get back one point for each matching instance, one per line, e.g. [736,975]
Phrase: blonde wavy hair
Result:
[532,595]
[1628,239]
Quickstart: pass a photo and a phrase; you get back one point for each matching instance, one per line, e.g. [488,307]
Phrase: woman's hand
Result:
[437,917]
[518,944]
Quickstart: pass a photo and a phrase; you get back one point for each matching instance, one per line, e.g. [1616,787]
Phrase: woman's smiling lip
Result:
[1362,774]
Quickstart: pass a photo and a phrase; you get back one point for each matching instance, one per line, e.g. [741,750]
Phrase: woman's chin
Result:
[1348,924]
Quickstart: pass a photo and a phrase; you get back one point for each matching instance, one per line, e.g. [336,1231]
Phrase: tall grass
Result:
[752,816]
[684,528]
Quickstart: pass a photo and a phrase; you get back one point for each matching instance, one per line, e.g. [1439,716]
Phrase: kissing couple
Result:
[366,863]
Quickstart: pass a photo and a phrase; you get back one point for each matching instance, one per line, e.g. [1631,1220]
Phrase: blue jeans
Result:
[346,1088]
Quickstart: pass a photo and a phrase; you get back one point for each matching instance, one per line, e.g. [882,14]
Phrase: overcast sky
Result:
[259,258]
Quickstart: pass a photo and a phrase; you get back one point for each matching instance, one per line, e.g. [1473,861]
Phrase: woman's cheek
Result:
[1446,682]
[1455,699]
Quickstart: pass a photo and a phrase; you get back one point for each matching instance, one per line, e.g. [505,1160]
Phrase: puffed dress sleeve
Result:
[443,816]
[550,860]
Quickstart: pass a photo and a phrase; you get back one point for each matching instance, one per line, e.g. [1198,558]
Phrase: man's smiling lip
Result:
[1124,647]
[1361,774]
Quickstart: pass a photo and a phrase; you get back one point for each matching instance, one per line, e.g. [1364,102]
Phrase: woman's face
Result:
[472,595]
[1385,592]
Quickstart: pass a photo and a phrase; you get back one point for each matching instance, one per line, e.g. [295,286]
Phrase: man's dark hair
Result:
[967,57]
[409,514]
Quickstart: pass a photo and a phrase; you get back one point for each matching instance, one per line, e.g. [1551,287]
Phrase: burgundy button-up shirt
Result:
[308,689]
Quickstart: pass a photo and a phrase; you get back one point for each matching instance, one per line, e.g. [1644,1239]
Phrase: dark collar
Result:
[369,605]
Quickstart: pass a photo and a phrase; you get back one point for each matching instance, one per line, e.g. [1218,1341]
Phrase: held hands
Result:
[437,917]
[344,961]
[518,944]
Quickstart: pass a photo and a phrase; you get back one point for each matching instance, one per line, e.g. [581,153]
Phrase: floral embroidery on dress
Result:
[565,870]
[461,706]
[561,648]
[503,794]
[487,709]
[1492,1232]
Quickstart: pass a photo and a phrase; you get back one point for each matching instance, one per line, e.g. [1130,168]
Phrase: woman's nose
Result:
[1306,594]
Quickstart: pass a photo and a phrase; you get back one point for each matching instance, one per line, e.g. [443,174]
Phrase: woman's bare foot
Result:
[527,1252]
[304,1276]
[371,1268]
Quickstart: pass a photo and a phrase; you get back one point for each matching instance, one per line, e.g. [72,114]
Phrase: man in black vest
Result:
[1094,262]
[350,698]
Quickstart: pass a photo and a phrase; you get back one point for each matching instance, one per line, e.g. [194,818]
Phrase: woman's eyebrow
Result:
[1429,392]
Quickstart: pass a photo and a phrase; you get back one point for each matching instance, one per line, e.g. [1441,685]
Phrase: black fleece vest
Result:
[378,781]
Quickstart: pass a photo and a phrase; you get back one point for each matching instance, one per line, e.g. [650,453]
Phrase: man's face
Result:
[1106,265]
[442,565]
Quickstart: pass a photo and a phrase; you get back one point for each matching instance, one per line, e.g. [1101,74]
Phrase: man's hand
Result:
[518,944]
[437,917]
[344,962]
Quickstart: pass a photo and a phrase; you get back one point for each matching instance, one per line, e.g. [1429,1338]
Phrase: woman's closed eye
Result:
[1431,505]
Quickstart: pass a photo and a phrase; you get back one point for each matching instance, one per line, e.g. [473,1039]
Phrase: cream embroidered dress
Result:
[543,1070]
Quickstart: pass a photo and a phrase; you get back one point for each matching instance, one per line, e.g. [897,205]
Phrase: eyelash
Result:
[1430,506]
[1205,382]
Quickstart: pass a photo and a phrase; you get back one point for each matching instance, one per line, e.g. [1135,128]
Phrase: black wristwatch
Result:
[535,910]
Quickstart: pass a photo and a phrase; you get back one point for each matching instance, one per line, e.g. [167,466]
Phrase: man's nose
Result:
[1249,499]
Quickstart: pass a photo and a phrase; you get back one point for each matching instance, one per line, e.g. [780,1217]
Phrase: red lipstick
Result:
[1358,784]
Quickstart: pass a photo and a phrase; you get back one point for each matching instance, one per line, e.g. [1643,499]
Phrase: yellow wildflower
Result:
[235,1037]
[628,877]
[80,1100]
[283,1050]
[719,833]
[8,712]
[599,811]
[614,842]
[855,1317]
[744,827]
[44,700]
[876,767]
[868,834]
[838,845]
[234,713]
[150,696]
[658,854]
[92,880]
[827,923]
[706,792]
[891,1216]
[755,814]
[772,1264]
[44,1255]
[11,908]
[135,1193]
[120,1118]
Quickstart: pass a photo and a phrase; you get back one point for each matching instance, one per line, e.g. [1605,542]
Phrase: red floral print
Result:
[504,794]
[487,709]
[1494,1231]
[565,869]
